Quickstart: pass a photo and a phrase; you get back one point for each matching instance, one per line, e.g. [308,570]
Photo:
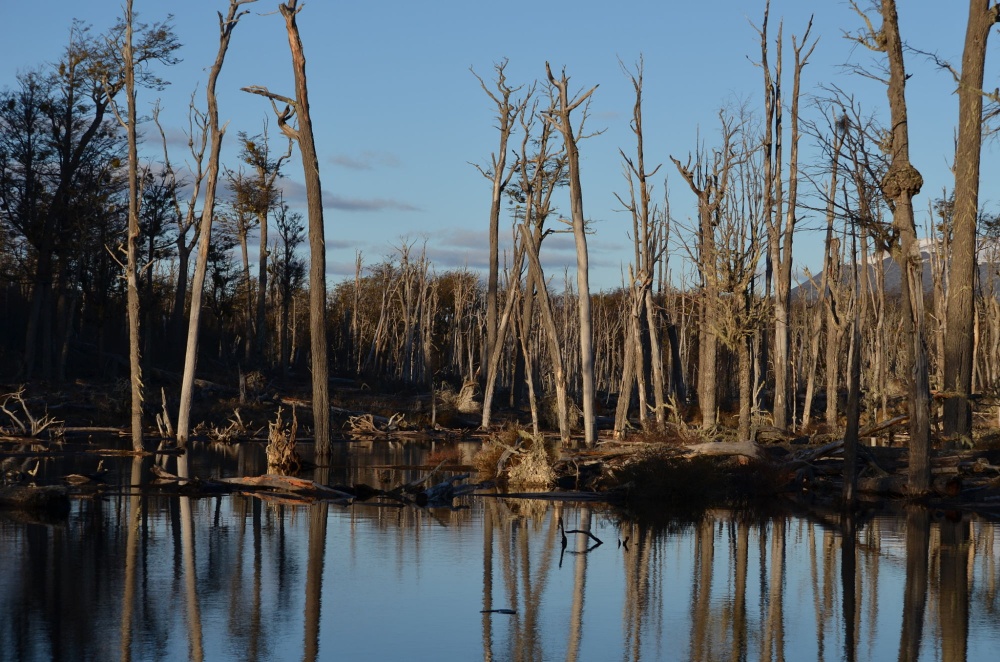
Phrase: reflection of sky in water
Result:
[403,583]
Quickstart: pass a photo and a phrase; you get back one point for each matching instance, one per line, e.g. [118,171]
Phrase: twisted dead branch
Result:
[31,426]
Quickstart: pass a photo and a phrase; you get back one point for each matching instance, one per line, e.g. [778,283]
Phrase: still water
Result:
[134,575]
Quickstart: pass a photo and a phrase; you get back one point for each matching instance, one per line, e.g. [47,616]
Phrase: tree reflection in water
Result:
[138,575]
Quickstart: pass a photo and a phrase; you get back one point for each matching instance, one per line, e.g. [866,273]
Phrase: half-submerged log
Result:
[286,484]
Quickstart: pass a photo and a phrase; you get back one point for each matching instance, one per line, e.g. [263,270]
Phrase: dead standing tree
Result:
[499,174]
[648,235]
[710,188]
[540,173]
[781,231]
[157,43]
[299,108]
[211,124]
[960,340]
[559,117]
[900,184]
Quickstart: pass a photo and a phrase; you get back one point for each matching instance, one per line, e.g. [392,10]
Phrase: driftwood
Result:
[716,448]
[372,424]
[286,484]
[32,426]
[287,487]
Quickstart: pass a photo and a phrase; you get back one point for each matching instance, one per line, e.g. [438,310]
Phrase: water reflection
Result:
[137,576]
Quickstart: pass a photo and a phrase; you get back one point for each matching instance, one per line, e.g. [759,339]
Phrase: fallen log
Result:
[287,484]
[716,448]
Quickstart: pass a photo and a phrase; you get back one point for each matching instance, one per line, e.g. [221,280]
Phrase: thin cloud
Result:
[359,204]
[294,194]
[367,160]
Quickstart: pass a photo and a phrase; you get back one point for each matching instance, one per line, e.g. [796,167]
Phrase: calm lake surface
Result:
[133,575]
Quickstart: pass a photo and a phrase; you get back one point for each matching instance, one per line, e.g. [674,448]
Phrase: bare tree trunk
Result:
[783,391]
[628,381]
[959,356]
[560,118]
[495,356]
[648,235]
[854,380]
[226,27]
[549,323]
[299,108]
[834,332]
[900,184]
[131,268]
[710,189]
[745,386]
[499,175]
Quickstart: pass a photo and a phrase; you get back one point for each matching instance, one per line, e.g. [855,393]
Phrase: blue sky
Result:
[399,117]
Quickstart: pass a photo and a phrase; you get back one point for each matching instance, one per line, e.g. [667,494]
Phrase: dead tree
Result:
[648,236]
[132,267]
[900,184]
[959,356]
[739,248]
[559,117]
[499,174]
[710,185]
[828,298]
[298,108]
[781,231]
[226,26]
[158,44]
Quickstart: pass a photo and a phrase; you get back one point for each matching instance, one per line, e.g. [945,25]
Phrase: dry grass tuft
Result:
[281,454]
[518,457]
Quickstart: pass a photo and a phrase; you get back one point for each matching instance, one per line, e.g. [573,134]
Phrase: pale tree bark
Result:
[155,43]
[499,175]
[959,356]
[738,233]
[549,324]
[226,26]
[125,59]
[559,117]
[540,171]
[647,235]
[132,267]
[826,301]
[899,185]
[299,108]
[781,233]
[513,278]
[710,185]
[771,98]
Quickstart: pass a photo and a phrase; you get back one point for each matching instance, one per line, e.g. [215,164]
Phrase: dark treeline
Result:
[732,342]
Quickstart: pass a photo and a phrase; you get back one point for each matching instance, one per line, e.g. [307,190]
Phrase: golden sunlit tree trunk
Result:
[559,117]
[226,26]
[298,108]
[899,185]
[499,175]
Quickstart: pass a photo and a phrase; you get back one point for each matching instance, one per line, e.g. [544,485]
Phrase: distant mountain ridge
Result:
[989,271]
